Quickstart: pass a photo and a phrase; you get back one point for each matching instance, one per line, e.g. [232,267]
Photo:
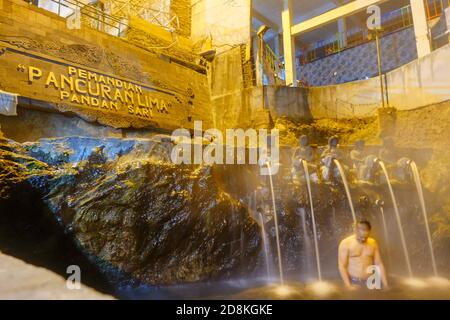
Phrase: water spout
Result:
[265,245]
[316,245]
[418,183]
[275,219]
[380,205]
[307,241]
[397,215]
[347,190]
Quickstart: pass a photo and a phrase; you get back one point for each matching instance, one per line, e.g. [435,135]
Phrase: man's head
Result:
[303,141]
[362,230]
[333,142]
[360,144]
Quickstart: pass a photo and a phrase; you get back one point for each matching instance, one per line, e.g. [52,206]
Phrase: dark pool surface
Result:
[401,288]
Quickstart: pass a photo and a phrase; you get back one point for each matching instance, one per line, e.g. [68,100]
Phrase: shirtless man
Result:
[356,254]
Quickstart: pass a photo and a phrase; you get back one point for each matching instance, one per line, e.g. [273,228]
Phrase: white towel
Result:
[8,103]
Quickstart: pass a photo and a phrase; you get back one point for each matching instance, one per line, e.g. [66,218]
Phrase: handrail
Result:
[97,15]
[396,20]
[272,59]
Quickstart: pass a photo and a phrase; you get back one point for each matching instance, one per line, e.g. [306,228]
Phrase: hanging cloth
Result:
[8,103]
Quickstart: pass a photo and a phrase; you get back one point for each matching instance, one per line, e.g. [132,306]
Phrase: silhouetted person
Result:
[331,153]
[358,155]
[387,152]
[303,152]
[363,164]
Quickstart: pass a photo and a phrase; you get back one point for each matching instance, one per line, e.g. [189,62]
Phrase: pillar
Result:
[288,44]
[420,28]
[342,29]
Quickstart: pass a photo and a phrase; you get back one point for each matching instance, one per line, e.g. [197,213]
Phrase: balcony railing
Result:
[112,19]
[273,62]
[94,17]
[391,22]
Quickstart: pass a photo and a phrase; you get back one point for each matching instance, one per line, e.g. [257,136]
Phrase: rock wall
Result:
[142,220]
[425,128]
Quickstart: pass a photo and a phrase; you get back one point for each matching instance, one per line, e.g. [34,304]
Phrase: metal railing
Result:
[95,17]
[161,16]
[273,61]
[391,22]
[435,7]
[113,20]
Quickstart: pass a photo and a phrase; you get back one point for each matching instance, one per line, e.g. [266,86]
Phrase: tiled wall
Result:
[360,62]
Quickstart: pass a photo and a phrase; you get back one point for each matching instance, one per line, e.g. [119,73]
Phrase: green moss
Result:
[349,130]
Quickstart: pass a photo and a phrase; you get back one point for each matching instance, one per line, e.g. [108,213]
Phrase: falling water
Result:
[418,183]
[316,245]
[265,245]
[275,219]
[307,241]
[347,190]
[385,231]
[397,215]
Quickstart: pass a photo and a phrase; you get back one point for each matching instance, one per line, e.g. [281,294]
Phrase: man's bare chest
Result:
[361,250]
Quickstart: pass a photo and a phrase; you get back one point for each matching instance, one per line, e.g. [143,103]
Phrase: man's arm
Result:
[343,264]
[379,262]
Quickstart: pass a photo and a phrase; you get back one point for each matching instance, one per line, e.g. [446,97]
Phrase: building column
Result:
[342,29]
[447,20]
[288,44]
[420,28]
[258,43]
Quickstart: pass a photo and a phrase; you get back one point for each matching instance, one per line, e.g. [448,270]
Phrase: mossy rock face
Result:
[387,118]
[154,222]
[318,131]
[142,220]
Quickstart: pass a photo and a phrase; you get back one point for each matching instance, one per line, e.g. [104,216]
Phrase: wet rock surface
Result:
[132,219]
[135,218]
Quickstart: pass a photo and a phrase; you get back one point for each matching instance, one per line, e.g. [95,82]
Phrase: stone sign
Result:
[92,94]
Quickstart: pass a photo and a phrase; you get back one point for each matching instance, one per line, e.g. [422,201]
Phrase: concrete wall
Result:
[244,108]
[234,103]
[227,22]
[238,104]
[31,36]
[422,82]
